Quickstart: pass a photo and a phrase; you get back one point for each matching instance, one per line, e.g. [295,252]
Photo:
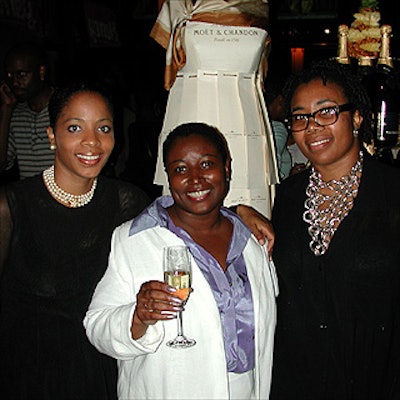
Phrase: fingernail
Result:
[168,314]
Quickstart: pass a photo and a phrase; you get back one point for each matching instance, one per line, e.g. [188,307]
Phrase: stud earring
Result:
[53,147]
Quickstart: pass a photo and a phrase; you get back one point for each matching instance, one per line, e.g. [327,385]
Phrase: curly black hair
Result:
[329,70]
[64,92]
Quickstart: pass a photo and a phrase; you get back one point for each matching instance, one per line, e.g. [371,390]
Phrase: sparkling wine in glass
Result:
[177,273]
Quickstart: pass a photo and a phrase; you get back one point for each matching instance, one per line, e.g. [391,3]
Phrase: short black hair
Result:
[63,93]
[329,70]
[208,132]
[35,51]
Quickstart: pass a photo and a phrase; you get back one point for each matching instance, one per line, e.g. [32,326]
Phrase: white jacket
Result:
[148,369]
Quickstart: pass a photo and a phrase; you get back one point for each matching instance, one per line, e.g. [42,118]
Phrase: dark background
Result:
[101,35]
[109,39]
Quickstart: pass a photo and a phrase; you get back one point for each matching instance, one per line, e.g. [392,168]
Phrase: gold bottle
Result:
[384,54]
[343,33]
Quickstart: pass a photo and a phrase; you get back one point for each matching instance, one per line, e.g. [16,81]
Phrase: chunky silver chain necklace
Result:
[68,199]
[324,222]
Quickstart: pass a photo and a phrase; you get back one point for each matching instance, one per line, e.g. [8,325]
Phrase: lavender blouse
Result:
[231,289]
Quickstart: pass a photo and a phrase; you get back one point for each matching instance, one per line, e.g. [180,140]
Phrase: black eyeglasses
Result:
[322,117]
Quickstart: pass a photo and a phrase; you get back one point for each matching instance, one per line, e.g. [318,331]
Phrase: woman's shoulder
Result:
[25,186]
[382,172]
[119,184]
[124,189]
[129,199]
[294,182]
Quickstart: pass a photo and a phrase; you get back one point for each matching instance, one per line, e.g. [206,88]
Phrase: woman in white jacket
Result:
[231,312]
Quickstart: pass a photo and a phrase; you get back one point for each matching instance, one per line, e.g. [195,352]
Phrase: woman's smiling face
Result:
[325,145]
[197,175]
[84,136]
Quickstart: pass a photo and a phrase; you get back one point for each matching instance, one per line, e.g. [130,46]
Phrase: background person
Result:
[275,101]
[337,249]
[231,312]
[24,118]
[54,242]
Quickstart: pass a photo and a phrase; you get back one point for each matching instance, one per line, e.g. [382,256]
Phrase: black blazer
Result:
[338,332]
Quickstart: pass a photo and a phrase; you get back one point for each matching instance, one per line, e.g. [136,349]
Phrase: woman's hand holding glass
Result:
[156,301]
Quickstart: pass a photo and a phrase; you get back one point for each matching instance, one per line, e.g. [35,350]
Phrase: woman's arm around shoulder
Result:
[260,226]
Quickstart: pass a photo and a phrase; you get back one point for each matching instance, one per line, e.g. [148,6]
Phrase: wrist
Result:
[138,328]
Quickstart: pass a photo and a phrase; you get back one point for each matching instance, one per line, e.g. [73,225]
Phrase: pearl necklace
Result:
[68,199]
[324,222]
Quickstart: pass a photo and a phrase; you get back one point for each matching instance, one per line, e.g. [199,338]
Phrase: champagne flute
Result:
[177,273]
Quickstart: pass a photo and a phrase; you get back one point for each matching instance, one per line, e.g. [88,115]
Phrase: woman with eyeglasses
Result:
[337,249]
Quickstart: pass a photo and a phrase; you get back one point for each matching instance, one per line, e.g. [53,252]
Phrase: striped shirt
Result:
[28,144]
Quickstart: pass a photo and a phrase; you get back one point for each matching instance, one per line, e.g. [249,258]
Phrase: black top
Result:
[56,257]
[338,330]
